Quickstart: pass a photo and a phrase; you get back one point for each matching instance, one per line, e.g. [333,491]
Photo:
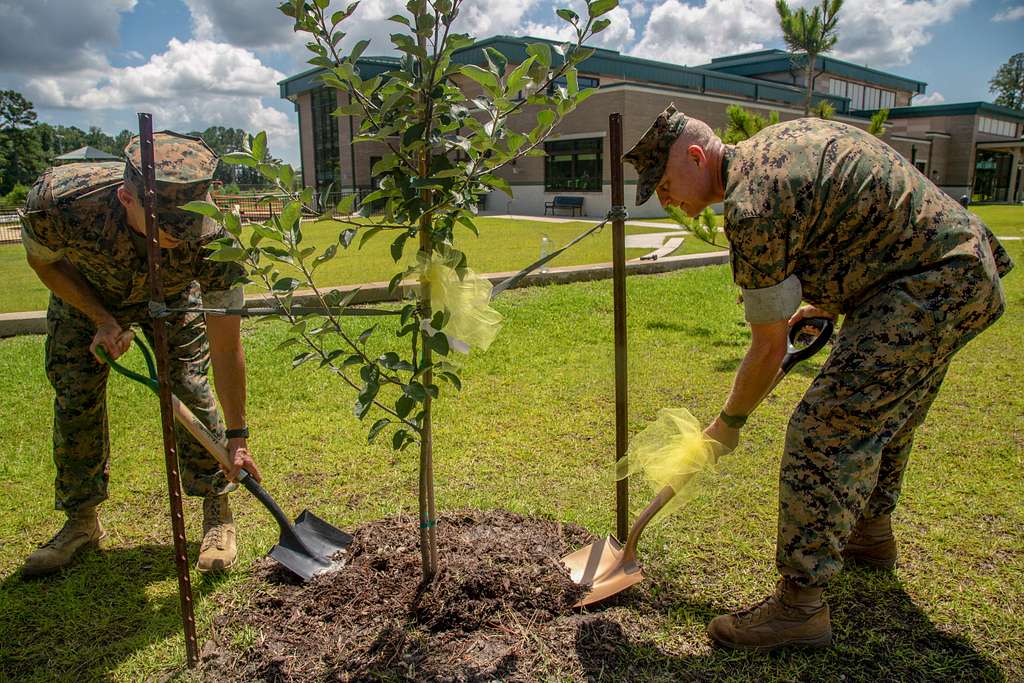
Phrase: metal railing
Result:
[10,227]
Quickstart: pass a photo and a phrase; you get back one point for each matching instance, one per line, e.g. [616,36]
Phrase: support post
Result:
[619,298]
[156,294]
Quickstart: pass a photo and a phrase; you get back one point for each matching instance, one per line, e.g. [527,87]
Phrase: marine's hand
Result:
[809,311]
[725,437]
[111,337]
[241,458]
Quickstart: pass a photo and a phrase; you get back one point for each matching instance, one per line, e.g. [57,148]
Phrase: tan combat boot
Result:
[792,616]
[82,530]
[218,551]
[872,543]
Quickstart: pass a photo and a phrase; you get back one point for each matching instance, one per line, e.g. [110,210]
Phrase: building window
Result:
[583,82]
[862,96]
[326,147]
[573,165]
[922,166]
[996,127]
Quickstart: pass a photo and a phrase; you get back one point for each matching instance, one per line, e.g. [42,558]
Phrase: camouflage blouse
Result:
[73,212]
[841,210]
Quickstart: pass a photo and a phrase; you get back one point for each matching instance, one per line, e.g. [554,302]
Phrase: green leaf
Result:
[600,7]
[453,378]
[396,279]
[236,158]
[365,400]
[290,215]
[439,343]
[398,245]
[399,438]
[404,405]
[259,146]
[365,334]
[376,428]
[480,75]
[568,15]
[205,208]
[545,117]
[542,51]
[347,236]
[285,284]
[227,254]
[497,183]
[415,391]
[232,223]
[468,222]
[400,19]
[358,50]
[367,235]
[600,25]
[329,253]
[301,358]
[346,204]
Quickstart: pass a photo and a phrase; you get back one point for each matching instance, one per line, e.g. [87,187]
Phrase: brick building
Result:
[964,148]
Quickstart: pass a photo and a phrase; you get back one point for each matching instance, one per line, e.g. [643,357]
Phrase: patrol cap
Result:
[650,155]
[184,171]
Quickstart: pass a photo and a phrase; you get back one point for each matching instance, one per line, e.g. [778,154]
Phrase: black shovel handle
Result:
[824,327]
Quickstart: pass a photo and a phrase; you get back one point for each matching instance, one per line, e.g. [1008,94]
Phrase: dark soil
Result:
[499,607]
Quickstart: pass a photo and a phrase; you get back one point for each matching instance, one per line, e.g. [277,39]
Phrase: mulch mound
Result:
[500,608]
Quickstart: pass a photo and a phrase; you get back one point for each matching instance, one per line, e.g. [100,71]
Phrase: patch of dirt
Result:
[500,608]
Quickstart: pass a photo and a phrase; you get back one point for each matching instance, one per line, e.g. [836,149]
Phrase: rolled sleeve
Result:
[772,304]
[39,252]
[759,252]
[227,298]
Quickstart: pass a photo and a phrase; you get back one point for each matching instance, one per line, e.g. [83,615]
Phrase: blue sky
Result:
[196,63]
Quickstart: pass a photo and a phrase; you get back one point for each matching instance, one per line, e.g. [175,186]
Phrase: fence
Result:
[260,207]
[10,227]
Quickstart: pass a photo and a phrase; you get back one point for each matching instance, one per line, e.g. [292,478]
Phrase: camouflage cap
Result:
[184,171]
[650,154]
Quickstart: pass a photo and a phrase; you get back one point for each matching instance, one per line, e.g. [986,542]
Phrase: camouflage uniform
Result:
[917,277]
[73,213]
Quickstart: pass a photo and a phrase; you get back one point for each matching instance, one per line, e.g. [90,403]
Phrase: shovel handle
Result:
[824,326]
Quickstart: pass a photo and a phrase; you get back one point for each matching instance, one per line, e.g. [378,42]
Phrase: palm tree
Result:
[811,33]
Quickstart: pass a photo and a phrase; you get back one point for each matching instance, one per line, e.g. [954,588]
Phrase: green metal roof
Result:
[310,79]
[957,109]
[773,61]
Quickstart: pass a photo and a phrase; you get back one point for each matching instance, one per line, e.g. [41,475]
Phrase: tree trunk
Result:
[810,84]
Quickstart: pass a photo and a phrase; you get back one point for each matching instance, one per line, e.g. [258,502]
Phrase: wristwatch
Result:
[240,433]
[733,421]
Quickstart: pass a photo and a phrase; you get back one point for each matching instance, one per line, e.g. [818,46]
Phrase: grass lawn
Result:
[532,432]
[504,245]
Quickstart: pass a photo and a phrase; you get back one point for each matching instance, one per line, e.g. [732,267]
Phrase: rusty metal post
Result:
[160,350]
[619,298]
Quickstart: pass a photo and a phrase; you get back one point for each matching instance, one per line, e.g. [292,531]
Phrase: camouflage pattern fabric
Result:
[917,277]
[184,171]
[842,210]
[81,442]
[650,154]
[74,211]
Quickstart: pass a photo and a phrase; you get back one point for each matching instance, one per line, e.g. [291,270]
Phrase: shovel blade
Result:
[601,568]
[593,561]
[308,547]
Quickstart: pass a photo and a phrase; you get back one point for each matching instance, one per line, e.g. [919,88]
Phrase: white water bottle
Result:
[545,249]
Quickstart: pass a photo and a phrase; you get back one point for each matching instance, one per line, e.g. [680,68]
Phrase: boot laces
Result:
[65,535]
[213,537]
[748,615]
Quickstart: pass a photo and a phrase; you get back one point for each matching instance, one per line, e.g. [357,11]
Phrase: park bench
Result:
[574,204]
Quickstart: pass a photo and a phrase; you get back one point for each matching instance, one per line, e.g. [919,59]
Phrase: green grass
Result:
[1004,220]
[504,245]
[532,432]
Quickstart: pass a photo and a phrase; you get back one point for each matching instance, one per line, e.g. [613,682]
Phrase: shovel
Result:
[605,566]
[305,547]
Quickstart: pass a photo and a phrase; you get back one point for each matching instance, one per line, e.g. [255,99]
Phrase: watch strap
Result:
[733,421]
[240,433]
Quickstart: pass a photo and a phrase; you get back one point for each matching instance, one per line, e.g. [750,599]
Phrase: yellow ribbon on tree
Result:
[472,323]
[670,451]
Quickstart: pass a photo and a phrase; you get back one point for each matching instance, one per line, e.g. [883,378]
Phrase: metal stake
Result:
[619,298]
[156,294]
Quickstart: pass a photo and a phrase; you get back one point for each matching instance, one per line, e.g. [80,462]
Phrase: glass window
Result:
[888,99]
[871,98]
[837,87]
[855,91]
[583,82]
[326,148]
[573,165]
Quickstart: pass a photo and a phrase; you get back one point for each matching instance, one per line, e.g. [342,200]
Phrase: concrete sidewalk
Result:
[34,322]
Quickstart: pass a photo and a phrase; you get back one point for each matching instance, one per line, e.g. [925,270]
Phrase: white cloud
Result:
[190,86]
[885,33]
[616,37]
[1011,14]
[69,35]
[681,33]
[931,98]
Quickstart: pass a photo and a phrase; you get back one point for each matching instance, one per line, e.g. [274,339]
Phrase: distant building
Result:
[973,148]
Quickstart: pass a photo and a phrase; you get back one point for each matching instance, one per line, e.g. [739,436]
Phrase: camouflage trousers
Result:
[849,439]
[81,440]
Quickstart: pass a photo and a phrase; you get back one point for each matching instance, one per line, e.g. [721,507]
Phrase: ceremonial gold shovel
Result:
[607,567]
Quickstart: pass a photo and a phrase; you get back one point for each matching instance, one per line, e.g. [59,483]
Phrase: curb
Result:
[34,322]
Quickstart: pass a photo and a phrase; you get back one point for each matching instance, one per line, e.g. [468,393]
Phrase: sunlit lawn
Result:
[503,245]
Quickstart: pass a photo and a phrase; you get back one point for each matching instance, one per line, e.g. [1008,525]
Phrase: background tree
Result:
[878,119]
[744,124]
[15,111]
[445,128]
[810,33]
[1009,83]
